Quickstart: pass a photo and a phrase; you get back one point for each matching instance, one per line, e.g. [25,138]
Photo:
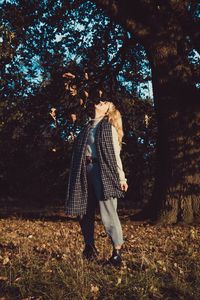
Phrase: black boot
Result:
[116,259]
[90,252]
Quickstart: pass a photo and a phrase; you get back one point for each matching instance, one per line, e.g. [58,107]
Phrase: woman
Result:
[97,178]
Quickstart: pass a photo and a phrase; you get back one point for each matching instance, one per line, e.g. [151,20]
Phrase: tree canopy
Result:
[42,106]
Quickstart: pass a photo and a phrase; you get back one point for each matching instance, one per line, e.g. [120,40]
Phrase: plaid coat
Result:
[77,191]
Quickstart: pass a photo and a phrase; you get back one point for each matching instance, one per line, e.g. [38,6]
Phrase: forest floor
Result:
[41,258]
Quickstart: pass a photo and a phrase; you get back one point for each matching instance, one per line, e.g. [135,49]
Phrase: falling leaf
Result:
[73,90]
[86,76]
[146,120]
[66,86]
[53,113]
[86,94]
[68,75]
[12,35]
[73,117]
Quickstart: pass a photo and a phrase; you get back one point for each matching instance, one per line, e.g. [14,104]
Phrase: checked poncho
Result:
[77,190]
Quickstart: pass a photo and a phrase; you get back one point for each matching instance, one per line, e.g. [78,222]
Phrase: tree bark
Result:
[177,186]
[176,195]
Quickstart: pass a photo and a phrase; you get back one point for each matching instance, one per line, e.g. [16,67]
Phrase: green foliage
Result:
[41,146]
[39,40]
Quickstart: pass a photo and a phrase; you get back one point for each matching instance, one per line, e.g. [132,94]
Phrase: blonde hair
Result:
[115,118]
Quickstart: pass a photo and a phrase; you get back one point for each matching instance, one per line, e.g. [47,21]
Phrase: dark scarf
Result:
[77,192]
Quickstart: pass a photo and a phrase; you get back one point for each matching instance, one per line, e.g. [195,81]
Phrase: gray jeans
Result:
[108,210]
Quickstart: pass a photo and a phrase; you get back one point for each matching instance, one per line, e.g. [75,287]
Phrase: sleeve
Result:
[117,155]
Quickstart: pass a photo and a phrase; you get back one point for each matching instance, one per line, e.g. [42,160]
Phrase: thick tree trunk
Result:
[176,195]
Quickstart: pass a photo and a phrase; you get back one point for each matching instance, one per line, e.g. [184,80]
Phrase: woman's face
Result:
[102,106]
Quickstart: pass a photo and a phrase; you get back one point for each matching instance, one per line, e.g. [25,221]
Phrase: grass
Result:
[41,259]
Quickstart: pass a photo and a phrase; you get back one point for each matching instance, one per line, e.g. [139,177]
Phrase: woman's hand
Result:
[124,186]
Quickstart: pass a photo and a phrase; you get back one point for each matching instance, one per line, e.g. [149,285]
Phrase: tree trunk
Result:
[176,195]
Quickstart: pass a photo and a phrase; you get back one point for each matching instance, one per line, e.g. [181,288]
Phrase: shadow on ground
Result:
[57,214]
